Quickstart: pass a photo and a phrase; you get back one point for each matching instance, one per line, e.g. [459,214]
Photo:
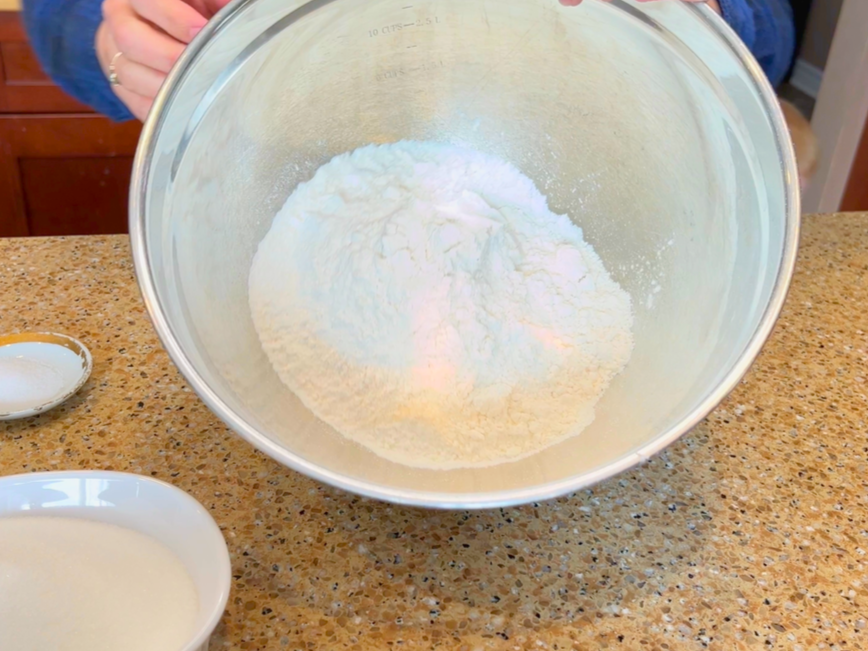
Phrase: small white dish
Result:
[148,506]
[38,371]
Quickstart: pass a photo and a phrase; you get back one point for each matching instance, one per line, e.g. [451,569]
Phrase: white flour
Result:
[424,301]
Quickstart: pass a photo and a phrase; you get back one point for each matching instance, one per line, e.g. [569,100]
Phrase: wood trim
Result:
[21,65]
[54,135]
[856,194]
[13,213]
[38,99]
[11,27]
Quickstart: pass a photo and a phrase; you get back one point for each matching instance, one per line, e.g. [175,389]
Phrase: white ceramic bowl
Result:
[167,514]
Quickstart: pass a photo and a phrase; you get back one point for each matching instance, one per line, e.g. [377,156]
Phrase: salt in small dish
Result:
[38,371]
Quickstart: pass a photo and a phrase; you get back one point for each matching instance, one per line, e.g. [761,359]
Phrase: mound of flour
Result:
[424,301]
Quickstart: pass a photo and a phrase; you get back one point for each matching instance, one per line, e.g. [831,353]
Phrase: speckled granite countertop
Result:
[750,533]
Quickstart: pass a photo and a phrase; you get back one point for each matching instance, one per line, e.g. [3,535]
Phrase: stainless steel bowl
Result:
[649,124]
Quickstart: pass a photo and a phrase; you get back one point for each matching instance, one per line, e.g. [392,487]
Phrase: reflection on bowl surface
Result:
[670,154]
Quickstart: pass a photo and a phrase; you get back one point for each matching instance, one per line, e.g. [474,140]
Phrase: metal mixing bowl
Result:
[649,124]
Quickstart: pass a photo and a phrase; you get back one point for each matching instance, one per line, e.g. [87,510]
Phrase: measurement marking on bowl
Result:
[431,21]
[395,73]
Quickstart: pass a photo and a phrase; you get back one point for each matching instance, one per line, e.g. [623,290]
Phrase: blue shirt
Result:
[62,34]
[768,30]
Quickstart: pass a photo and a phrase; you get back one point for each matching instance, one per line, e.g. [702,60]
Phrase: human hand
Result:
[140,40]
[711,3]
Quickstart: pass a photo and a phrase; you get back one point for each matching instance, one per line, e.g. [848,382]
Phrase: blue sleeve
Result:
[62,34]
[768,29]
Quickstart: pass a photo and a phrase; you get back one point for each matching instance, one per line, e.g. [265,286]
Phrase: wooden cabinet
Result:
[64,174]
[856,194]
[64,170]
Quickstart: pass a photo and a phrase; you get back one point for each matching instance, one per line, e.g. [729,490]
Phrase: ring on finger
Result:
[113,73]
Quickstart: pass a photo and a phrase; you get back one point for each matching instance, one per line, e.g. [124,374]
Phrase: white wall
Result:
[819,32]
[842,108]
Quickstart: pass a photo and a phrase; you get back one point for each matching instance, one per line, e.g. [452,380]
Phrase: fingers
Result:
[140,40]
[137,39]
[137,78]
[137,84]
[138,105]
[178,19]
[208,7]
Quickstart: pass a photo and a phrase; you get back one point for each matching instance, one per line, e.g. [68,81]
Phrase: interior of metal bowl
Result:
[648,124]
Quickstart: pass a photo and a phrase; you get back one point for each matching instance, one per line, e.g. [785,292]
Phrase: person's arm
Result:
[768,30]
[62,33]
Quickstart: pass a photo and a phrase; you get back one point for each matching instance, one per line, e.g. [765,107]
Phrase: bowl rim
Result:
[474,500]
[202,635]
